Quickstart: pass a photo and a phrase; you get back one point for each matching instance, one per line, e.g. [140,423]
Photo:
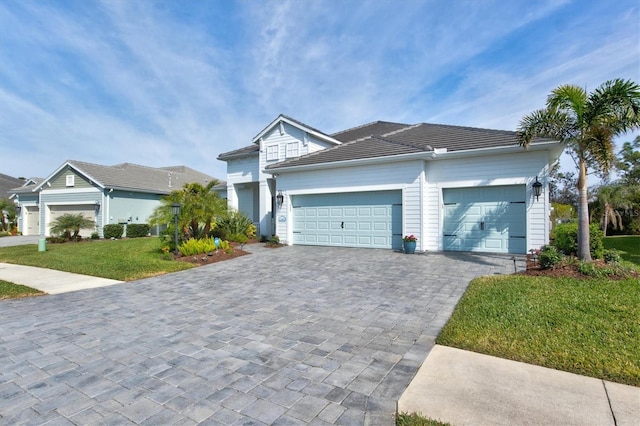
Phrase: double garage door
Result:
[361,219]
[87,211]
[486,219]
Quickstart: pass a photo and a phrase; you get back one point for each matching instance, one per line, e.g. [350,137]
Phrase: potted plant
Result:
[409,243]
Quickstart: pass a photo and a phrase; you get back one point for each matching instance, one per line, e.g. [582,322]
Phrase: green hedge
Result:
[113,230]
[137,230]
[565,239]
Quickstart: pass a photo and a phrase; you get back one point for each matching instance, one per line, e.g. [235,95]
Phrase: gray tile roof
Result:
[377,128]
[141,178]
[7,183]
[406,140]
[242,152]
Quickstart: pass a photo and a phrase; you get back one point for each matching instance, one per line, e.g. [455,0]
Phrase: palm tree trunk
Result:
[583,214]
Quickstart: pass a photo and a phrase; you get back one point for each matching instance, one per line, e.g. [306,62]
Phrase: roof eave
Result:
[425,155]
[236,156]
[540,146]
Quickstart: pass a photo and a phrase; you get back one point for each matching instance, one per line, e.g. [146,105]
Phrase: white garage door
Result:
[32,221]
[487,219]
[362,219]
[87,211]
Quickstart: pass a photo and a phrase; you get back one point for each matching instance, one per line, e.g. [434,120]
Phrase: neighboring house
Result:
[7,183]
[455,188]
[124,193]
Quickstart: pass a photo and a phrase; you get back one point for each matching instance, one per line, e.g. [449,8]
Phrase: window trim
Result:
[289,151]
[273,152]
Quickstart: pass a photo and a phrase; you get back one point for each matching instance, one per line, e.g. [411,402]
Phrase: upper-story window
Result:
[272,152]
[71,180]
[292,149]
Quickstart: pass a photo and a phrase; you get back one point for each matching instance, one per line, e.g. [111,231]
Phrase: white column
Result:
[266,227]
[232,196]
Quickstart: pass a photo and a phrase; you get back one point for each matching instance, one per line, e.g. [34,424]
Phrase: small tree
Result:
[68,225]
[199,209]
[586,124]
[610,201]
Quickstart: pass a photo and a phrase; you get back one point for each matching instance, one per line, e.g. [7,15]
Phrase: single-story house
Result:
[124,193]
[454,188]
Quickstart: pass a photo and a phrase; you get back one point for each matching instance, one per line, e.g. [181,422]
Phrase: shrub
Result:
[113,230]
[218,232]
[4,233]
[137,230]
[95,236]
[566,239]
[236,222]
[549,257]
[196,246]
[592,269]
[611,256]
[239,238]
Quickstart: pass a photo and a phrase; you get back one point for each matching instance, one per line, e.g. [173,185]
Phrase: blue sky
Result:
[164,83]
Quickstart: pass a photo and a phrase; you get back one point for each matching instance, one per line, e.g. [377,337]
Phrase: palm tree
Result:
[609,201]
[586,124]
[68,225]
[199,209]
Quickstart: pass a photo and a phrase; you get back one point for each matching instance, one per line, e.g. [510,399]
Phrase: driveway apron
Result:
[294,335]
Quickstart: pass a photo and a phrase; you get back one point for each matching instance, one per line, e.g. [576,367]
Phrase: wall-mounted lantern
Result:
[96,206]
[280,198]
[537,188]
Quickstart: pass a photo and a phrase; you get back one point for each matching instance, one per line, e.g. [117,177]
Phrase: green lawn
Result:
[627,245]
[584,326]
[13,291]
[124,260]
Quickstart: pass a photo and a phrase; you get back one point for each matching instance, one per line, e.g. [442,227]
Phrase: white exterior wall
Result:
[508,169]
[405,176]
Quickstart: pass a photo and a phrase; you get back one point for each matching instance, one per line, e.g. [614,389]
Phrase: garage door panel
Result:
[371,219]
[87,211]
[485,219]
[365,226]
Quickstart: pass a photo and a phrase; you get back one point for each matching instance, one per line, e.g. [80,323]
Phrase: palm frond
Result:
[570,99]
[615,104]
[546,123]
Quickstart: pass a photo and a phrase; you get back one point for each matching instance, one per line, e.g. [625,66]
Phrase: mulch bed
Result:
[215,256]
[567,271]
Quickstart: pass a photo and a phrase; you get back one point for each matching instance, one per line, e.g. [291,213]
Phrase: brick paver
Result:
[293,335]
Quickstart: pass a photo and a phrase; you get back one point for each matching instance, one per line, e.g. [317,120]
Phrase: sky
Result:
[163,83]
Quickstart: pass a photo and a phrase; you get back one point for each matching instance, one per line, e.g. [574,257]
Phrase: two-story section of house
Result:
[454,188]
[249,188]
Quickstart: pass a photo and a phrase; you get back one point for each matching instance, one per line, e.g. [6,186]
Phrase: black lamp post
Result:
[176,212]
[537,188]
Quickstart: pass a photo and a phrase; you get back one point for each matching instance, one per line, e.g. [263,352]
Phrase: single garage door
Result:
[87,211]
[32,221]
[486,219]
[361,219]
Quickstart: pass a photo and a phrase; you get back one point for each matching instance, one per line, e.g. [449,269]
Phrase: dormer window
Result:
[71,180]
[292,150]
[272,152]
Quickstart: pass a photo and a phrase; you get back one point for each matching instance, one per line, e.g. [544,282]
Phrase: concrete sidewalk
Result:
[50,281]
[467,388]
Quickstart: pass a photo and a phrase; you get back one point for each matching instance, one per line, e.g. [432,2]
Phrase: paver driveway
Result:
[294,335]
